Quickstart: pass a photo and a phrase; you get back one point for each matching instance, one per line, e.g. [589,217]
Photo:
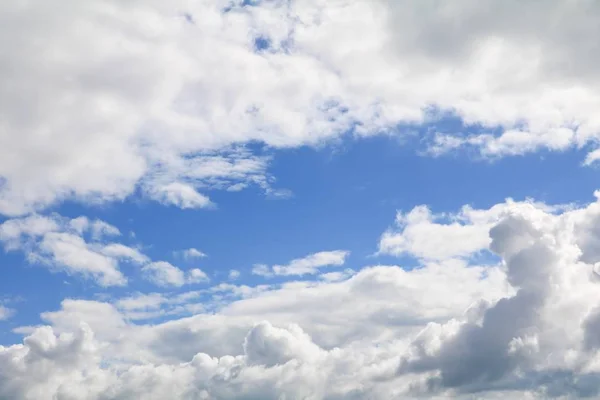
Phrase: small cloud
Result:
[190,254]
[234,274]
[6,313]
[196,275]
[162,273]
[181,195]
[308,265]
[262,270]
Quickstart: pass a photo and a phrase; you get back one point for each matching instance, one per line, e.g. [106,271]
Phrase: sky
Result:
[283,199]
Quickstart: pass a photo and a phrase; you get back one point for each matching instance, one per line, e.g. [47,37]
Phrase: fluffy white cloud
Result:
[122,252]
[162,273]
[80,247]
[196,275]
[102,100]
[526,328]
[106,98]
[419,234]
[308,265]
[71,253]
[181,195]
[427,236]
[60,244]
[191,254]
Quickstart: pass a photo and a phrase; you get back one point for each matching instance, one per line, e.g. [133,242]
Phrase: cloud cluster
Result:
[171,100]
[84,247]
[164,99]
[524,328]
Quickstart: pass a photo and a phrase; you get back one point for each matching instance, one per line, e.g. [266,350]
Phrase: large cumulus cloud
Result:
[525,328]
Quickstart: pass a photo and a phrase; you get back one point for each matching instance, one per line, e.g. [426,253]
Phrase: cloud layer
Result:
[114,99]
[526,327]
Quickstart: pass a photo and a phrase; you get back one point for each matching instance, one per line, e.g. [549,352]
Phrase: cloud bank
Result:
[119,99]
[526,327]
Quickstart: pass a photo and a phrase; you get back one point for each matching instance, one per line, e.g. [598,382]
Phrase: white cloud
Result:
[100,100]
[146,306]
[233,274]
[337,275]
[60,244]
[428,236]
[190,356]
[419,234]
[74,255]
[196,275]
[98,229]
[162,273]
[308,265]
[162,109]
[122,252]
[5,312]
[192,253]
[181,195]
[14,232]
[526,328]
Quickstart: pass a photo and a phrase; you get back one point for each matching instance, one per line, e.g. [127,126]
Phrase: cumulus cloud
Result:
[181,195]
[525,328]
[427,236]
[76,246]
[236,352]
[163,273]
[173,100]
[83,248]
[308,265]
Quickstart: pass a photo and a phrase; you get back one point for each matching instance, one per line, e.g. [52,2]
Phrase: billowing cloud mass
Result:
[524,328]
[160,98]
[167,102]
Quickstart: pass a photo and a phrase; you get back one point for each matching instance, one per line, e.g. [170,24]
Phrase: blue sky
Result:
[344,195]
[214,199]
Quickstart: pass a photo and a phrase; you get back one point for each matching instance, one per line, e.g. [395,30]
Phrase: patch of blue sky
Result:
[344,197]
